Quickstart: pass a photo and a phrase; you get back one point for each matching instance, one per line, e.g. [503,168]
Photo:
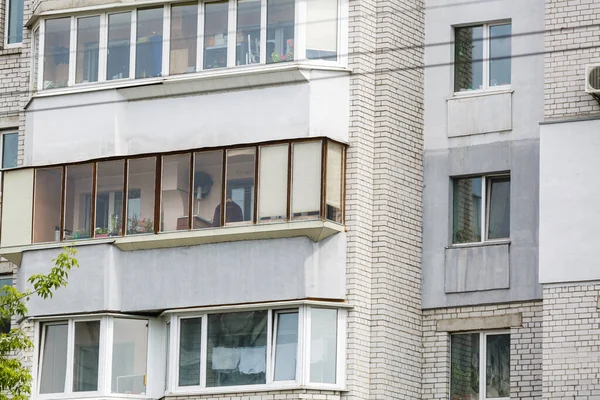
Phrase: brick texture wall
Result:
[274,395]
[571,342]
[525,349]
[571,42]
[384,199]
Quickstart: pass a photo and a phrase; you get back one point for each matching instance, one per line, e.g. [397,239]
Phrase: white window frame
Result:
[485,62]
[485,209]
[6,25]
[104,360]
[482,359]
[303,356]
[299,43]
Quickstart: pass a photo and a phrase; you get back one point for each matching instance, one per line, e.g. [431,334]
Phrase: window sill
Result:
[316,230]
[479,244]
[481,92]
[256,389]
[241,77]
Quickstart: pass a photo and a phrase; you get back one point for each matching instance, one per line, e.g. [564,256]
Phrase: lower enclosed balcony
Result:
[260,191]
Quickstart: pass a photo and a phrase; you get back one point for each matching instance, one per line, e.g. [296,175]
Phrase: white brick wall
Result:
[525,349]
[571,327]
[275,395]
[571,42]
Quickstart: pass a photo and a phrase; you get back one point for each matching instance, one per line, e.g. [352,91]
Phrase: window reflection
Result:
[148,49]
[208,170]
[239,195]
[184,32]
[129,352]
[47,205]
[237,349]
[109,198]
[175,203]
[323,345]
[53,362]
[140,195]
[88,42]
[78,206]
[248,32]
[119,38]
[190,335]
[321,29]
[87,356]
[286,346]
[56,52]
[215,34]
[280,30]
[333,189]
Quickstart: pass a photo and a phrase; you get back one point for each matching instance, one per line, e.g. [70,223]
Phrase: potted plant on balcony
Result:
[101,232]
[136,225]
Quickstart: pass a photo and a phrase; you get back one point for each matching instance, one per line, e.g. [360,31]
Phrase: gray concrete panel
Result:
[473,268]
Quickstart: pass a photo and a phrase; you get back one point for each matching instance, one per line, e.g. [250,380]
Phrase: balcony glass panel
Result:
[78,204]
[273,182]
[175,203]
[208,172]
[215,34]
[56,52]
[286,346]
[333,187]
[306,180]
[109,198]
[321,29]
[47,205]
[323,345]
[119,39]
[53,360]
[248,32]
[140,195]
[88,46]
[87,356]
[148,48]
[239,195]
[237,349]
[184,35]
[129,353]
[190,335]
[280,30]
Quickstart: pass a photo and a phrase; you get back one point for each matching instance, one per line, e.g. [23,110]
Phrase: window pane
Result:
[237,349]
[10,145]
[499,212]
[129,356]
[323,345]
[467,210]
[215,34]
[140,195]
[87,354]
[56,52]
[15,21]
[208,170]
[184,33]
[167,353]
[5,323]
[109,198]
[88,42]
[334,182]
[280,30]
[248,32]
[286,347]
[321,29]
[240,186]
[464,358]
[54,359]
[497,369]
[500,53]
[119,38]
[273,181]
[46,220]
[190,337]
[306,180]
[78,207]
[36,58]
[175,205]
[148,49]
[468,58]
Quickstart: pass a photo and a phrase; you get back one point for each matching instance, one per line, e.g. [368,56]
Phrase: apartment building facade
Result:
[231,176]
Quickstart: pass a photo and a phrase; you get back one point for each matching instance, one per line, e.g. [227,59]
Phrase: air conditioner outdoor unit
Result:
[592,78]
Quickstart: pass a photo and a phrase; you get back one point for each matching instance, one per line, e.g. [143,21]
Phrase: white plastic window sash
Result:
[166,44]
[483,363]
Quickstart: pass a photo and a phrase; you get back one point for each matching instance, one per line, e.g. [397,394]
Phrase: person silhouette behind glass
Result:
[233,213]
